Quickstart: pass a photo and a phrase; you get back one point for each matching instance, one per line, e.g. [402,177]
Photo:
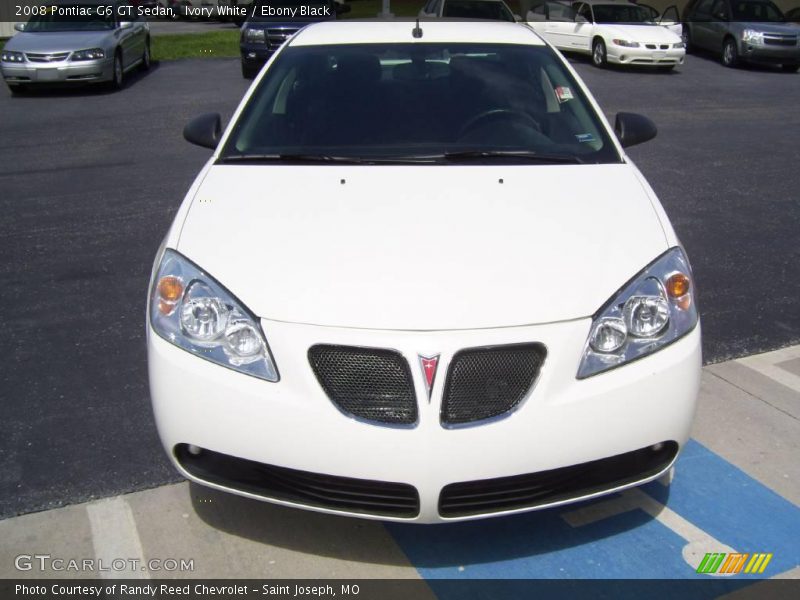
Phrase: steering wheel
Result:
[499,113]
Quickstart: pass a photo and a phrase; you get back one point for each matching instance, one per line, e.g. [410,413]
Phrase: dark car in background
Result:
[742,31]
[271,22]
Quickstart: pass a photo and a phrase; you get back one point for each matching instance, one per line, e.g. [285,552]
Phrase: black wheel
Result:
[730,53]
[686,36]
[249,72]
[17,89]
[118,74]
[599,56]
[145,64]
[791,68]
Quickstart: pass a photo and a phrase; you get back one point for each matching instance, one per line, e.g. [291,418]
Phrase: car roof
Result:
[397,32]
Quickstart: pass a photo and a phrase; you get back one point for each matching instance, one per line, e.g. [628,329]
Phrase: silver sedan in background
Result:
[77,41]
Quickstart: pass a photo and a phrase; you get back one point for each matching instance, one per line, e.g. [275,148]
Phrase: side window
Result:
[560,12]
[703,9]
[537,12]
[436,5]
[428,7]
[719,10]
[586,12]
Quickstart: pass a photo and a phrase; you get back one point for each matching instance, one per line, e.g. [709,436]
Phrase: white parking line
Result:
[116,539]
[699,542]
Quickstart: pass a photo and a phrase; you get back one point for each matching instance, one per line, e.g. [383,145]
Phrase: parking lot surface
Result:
[90,181]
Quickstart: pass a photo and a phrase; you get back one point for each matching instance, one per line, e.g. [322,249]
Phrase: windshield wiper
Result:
[528,156]
[323,158]
[266,158]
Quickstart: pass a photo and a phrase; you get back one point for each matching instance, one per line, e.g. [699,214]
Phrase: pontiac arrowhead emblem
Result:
[429,364]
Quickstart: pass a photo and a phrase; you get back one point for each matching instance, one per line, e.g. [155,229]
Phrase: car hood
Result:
[642,33]
[62,41]
[422,248]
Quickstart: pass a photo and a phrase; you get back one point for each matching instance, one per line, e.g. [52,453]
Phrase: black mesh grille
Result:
[368,383]
[311,489]
[486,382]
[470,498]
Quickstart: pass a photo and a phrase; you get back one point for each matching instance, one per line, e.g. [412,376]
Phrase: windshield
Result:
[419,101]
[610,13]
[470,9]
[77,17]
[756,12]
[292,10]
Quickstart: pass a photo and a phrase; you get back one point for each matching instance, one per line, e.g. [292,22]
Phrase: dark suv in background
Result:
[271,22]
[742,30]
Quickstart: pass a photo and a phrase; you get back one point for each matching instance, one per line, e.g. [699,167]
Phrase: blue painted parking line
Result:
[711,506]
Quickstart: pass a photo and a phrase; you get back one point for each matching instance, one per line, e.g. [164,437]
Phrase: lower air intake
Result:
[344,494]
[470,498]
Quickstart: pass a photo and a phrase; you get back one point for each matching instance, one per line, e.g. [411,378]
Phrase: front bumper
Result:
[645,56]
[62,72]
[777,55]
[293,425]
[255,55]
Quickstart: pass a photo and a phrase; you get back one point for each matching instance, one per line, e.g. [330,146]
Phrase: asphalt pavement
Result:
[90,180]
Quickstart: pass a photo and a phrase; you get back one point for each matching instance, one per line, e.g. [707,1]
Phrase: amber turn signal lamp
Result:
[170,290]
[678,288]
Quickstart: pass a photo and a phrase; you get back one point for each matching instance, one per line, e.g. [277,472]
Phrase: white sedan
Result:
[612,32]
[456,300]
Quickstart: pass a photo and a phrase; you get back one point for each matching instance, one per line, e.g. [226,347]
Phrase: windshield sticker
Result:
[563,93]
[584,137]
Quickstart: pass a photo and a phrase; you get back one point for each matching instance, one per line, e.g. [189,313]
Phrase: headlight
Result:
[90,54]
[11,56]
[255,36]
[656,308]
[750,36]
[190,309]
[626,43]
[679,45]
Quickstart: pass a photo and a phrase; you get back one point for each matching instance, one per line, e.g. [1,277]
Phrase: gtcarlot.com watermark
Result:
[49,563]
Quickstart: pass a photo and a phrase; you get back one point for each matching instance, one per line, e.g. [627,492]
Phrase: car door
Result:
[126,39]
[718,26]
[429,10]
[671,20]
[582,30]
[553,21]
[700,24]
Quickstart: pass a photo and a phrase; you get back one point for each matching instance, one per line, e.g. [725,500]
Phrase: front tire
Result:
[146,59]
[117,73]
[730,53]
[599,55]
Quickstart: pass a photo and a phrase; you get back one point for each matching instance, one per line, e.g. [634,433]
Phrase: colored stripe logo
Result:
[723,563]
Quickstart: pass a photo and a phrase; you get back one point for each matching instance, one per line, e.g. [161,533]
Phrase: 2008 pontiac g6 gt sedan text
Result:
[420,280]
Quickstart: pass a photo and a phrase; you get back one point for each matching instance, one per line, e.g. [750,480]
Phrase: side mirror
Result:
[125,24]
[19,26]
[632,129]
[204,130]
[580,19]
[341,8]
